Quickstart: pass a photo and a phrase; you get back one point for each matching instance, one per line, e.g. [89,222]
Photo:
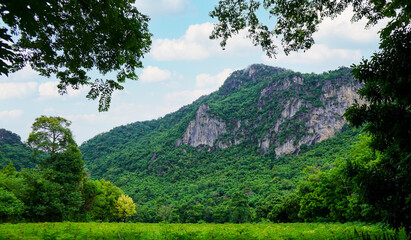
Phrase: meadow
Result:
[69,230]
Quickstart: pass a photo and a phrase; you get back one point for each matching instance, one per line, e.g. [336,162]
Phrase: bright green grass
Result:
[68,230]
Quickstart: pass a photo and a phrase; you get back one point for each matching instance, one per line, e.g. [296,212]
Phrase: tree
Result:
[62,168]
[10,206]
[50,135]
[298,20]
[124,207]
[69,38]
[386,78]
[100,197]
[239,208]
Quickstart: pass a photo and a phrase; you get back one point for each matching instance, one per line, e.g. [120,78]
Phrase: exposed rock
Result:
[286,148]
[264,144]
[203,130]
[291,108]
[321,122]
[286,105]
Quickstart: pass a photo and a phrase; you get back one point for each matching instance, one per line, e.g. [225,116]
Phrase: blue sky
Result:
[183,65]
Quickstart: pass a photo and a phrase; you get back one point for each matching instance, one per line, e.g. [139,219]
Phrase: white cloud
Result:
[161,8]
[50,90]
[154,74]
[207,81]
[341,28]
[13,90]
[205,84]
[11,114]
[25,74]
[89,118]
[317,54]
[181,98]
[196,45]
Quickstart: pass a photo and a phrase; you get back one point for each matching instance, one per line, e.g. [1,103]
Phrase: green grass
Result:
[68,230]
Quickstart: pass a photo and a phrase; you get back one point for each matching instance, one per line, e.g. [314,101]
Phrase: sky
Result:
[183,65]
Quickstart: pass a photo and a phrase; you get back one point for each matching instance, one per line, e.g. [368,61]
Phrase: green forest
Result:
[272,154]
[47,180]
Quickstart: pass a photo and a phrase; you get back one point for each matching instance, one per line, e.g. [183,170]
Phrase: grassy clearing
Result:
[68,230]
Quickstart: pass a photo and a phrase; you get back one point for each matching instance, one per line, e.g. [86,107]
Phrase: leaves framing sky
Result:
[183,65]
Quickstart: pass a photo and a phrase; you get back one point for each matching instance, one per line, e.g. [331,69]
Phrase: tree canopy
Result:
[297,21]
[51,135]
[69,39]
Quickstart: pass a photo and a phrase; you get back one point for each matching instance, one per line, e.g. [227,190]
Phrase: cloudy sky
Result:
[183,65]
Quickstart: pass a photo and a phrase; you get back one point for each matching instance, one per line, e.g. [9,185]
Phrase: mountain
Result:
[13,150]
[255,134]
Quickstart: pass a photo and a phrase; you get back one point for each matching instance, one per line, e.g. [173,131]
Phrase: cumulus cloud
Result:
[161,8]
[342,29]
[181,98]
[205,84]
[16,90]
[196,45]
[50,90]
[212,82]
[11,114]
[317,59]
[317,53]
[154,74]
[25,74]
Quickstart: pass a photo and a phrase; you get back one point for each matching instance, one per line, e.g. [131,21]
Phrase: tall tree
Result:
[63,166]
[51,135]
[387,117]
[70,38]
[386,78]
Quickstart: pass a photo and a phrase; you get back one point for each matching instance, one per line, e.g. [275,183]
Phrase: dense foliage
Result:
[13,150]
[68,39]
[317,231]
[57,189]
[387,117]
[386,78]
[295,22]
[180,183]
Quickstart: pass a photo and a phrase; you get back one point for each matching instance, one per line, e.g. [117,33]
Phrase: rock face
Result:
[203,130]
[290,109]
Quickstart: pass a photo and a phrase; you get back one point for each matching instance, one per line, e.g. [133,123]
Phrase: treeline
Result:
[326,194]
[58,188]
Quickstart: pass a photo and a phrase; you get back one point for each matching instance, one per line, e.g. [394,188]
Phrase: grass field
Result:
[68,230]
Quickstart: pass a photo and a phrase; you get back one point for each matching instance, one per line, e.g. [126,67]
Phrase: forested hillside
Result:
[228,152]
[13,150]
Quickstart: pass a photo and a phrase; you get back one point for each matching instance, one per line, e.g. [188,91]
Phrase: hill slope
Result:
[13,150]
[235,139]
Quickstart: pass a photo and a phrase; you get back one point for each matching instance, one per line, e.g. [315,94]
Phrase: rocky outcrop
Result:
[288,111]
[321,122]
[203,130]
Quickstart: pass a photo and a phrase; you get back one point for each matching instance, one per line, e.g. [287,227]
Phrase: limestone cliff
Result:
[289,109]
[203,130]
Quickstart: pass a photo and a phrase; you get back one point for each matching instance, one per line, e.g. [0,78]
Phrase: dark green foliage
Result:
[201,185]
[145,160]
[386,78]
[387,117]
[57,188]
[70,38]
[13,150]
[295,22]
[10,206]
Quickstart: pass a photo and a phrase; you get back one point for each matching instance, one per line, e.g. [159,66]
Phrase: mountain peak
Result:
[241,78]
